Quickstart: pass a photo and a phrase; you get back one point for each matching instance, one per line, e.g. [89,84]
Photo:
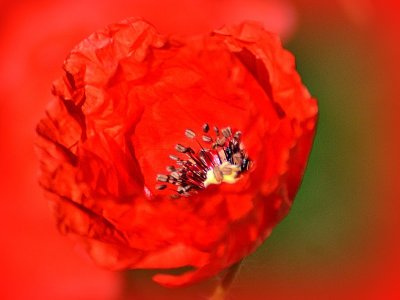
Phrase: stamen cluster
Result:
[223,161]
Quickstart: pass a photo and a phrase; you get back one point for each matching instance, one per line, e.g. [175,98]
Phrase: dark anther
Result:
[171,169]
[237,135]
[175,175]
[234,145]
[181,148]
[206,128]
[172,180]
[221,141]
[161,187]
[226,132]
[228,154]
[206,138]
[189,150]
[188,188]
[180,189]
[173,157]
[237,159]
[245,164]
[190,134]
[162,178]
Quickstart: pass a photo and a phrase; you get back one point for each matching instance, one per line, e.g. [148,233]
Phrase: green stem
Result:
[225,282]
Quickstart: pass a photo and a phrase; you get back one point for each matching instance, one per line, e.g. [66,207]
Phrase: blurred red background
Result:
[341,238]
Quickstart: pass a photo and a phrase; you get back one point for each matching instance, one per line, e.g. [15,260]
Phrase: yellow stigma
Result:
[225,172]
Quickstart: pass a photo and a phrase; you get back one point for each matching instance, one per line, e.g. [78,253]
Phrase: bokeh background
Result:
[341,239]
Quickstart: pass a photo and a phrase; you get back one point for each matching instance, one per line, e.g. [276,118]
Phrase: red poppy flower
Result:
[127,98]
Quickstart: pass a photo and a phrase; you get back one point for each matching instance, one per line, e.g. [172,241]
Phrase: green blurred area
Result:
[327,232]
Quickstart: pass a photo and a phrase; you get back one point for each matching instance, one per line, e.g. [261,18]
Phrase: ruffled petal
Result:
[126,99]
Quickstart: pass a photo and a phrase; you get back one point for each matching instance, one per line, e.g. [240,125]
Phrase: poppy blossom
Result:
[169,151]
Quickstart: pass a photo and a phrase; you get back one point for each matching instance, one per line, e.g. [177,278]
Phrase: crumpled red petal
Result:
[127,96]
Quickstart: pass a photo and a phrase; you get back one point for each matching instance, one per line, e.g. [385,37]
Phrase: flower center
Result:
[223,160]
